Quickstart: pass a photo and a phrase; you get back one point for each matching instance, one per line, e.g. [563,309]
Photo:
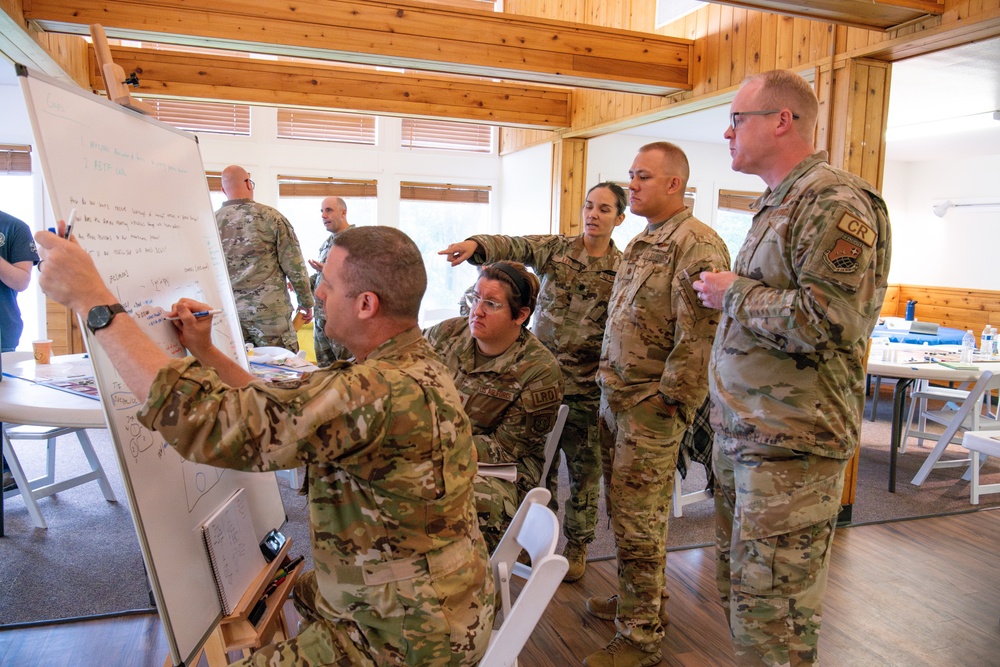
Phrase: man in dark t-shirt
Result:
[17,256]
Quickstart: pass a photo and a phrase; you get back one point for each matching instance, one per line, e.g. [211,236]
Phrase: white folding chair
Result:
[534,529]
[920,396]
[552,442]
[46,485]
[967,417]
[680,498]
[982,446]
[33,489]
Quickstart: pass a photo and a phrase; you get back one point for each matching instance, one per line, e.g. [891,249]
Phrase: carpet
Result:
[88,561]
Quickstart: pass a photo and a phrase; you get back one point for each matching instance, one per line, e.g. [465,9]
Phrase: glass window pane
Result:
[733,226]
[303,213]
[433,226]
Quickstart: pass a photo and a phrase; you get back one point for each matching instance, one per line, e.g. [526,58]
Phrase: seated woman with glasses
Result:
[510,384]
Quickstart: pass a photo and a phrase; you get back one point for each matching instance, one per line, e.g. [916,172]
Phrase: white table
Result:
[24,402]
[908,367]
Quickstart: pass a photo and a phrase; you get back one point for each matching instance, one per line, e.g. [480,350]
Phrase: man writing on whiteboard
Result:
[402,575]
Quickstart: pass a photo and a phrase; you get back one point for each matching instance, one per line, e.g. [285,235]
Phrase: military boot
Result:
[576,554]
[622,653]
[607,608]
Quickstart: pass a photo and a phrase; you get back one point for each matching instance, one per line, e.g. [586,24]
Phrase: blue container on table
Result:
[911,306]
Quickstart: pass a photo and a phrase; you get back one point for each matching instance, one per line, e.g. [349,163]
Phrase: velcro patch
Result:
[497,393]
[859,230]
[539,398]
[843,257]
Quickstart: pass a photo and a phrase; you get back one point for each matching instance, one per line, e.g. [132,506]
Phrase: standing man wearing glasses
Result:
[787,369]
[510,384]
[262,253]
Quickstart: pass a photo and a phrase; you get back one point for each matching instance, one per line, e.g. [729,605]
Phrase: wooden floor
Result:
[914,593]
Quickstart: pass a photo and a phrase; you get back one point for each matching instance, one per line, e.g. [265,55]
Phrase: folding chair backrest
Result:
[552,441]
[535,529]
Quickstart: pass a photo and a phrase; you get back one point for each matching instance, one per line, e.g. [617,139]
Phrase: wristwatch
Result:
[101,316]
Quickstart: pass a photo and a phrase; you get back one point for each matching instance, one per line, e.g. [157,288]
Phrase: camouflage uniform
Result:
[512,401]
[261,252]
[655,354]
[569,320]
[327,351]
[402,574]
[787,387]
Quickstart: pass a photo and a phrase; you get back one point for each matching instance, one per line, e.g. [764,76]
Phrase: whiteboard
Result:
[143,213]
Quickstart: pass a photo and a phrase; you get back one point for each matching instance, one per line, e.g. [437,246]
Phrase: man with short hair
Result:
[402,574]
[333,210]
[17,256]
[787,368]
[262,253]
[653,379]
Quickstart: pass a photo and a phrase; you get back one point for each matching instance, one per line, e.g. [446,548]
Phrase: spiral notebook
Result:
[233,549]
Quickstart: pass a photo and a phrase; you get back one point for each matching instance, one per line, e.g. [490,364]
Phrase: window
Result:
[633,224]
[217,118]
[734,217]
[15,159]
[326,126]
[447,135]
[668,11]
[299,199]
[435,216]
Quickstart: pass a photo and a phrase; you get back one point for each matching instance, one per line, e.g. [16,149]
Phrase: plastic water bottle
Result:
[996,343]
[968,346]
[986,341]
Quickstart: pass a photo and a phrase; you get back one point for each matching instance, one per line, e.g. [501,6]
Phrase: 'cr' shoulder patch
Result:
[859,230]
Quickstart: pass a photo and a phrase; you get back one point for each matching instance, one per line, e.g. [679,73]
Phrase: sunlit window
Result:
[435,216]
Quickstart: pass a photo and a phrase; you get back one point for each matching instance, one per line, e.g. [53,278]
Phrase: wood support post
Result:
[569,187]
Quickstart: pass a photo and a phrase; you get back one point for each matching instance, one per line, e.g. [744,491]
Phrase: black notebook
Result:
[233,549]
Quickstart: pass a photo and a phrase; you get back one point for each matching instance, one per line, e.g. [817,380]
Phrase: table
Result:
[944,336]
[25,402]
[909,367]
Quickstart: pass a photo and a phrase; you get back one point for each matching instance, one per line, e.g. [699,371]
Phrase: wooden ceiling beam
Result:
[868,14]
[404,34]
[282,83]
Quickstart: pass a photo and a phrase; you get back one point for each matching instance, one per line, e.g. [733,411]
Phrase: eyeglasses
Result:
[734,117]
[250,181]
[489,306]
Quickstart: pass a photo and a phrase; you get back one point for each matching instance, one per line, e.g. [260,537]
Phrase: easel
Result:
[236,633]
[115,83]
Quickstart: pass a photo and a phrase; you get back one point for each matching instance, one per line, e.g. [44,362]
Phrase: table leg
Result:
[898,405]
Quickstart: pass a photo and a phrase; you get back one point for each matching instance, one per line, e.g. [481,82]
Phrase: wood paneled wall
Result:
[732,43]
[948,306]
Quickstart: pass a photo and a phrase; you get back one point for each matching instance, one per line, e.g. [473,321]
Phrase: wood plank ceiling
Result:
[871,14]
[394,34]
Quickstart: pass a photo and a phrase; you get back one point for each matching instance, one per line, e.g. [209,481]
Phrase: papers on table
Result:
[70,373]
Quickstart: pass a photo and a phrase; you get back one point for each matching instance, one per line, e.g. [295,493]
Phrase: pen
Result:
[291,565]
[200,313]
[69,223]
